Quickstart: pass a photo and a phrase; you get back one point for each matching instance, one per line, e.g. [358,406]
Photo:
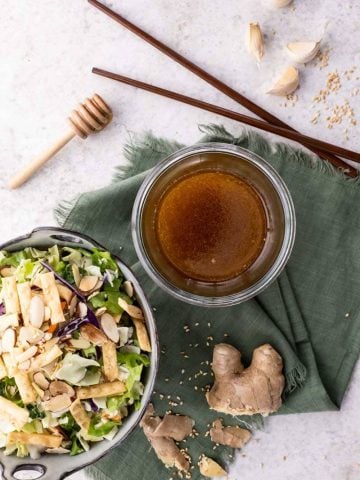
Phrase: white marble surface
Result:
[47,49]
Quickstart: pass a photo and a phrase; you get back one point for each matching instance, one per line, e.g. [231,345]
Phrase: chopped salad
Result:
[73,350]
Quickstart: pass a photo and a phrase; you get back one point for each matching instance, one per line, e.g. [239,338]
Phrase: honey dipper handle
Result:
[24,174]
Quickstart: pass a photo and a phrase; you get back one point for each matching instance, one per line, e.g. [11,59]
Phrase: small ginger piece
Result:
[239,391]
[234,437]
[165,446]
[177,427]
[209,468]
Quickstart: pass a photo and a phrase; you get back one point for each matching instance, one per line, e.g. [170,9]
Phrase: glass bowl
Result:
[280,219]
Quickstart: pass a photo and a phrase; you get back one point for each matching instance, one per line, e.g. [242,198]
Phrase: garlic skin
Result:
[280,3]
[255,41]
[287,83]
[303,52]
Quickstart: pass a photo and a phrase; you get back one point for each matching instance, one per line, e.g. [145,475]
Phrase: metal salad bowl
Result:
[55,466]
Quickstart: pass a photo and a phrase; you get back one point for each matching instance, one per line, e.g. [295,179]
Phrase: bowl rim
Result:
[10,464]
[279,186]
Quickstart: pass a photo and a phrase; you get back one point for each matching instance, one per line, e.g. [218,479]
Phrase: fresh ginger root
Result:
[161,434]
[234,437]
[239,391]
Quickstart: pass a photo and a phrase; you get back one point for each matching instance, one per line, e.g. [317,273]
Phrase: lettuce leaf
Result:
[9,390]
[104,260]
[99,429]
[73,368]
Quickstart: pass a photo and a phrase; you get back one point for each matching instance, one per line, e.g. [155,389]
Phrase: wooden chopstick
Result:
[218,84]
[253,122]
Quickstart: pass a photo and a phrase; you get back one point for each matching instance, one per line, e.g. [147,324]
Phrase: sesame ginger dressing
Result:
[211,225]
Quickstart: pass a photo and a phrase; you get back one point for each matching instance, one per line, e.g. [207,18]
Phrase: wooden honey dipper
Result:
[91,116]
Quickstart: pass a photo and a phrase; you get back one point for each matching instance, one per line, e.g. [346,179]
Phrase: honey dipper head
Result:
[91,116]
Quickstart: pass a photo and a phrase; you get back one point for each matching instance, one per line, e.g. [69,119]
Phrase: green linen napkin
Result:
[310,314]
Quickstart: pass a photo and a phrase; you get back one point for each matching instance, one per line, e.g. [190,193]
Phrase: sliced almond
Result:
[37,311]
[57,387]
[64,292]
[93,334]
[100,311]
[72,305]
[76,274]
[30,335]
[47,314]
[88,283]
[41,380]
[80,343]
[128,287]
[109,327]
[8,340]
[27,354]
[7,271]
[82,309]
[58,403]
[131,310]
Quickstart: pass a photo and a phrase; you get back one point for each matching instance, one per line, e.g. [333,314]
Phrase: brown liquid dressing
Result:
[211,225]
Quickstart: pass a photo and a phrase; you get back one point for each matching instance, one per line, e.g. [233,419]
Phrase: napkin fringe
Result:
[63,210]
[266,148]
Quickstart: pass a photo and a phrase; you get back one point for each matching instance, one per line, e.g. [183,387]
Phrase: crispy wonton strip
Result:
[80,415]
[47,357]
[43,439]
[111,371]
[13,414]
[9,364]
[142,335]
[101,390]
[10,295]
[52,297]
[24,292]
[27,393]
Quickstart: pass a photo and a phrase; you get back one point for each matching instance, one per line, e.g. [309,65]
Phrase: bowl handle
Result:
[29,471]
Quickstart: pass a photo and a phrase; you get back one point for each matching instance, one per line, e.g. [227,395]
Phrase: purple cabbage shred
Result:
[64,282]
[90,316]
[2,309]
[93,405]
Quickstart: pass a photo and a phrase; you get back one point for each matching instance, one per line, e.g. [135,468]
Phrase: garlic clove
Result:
[287,83]
[255,41]
[303,52]
[280,3]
